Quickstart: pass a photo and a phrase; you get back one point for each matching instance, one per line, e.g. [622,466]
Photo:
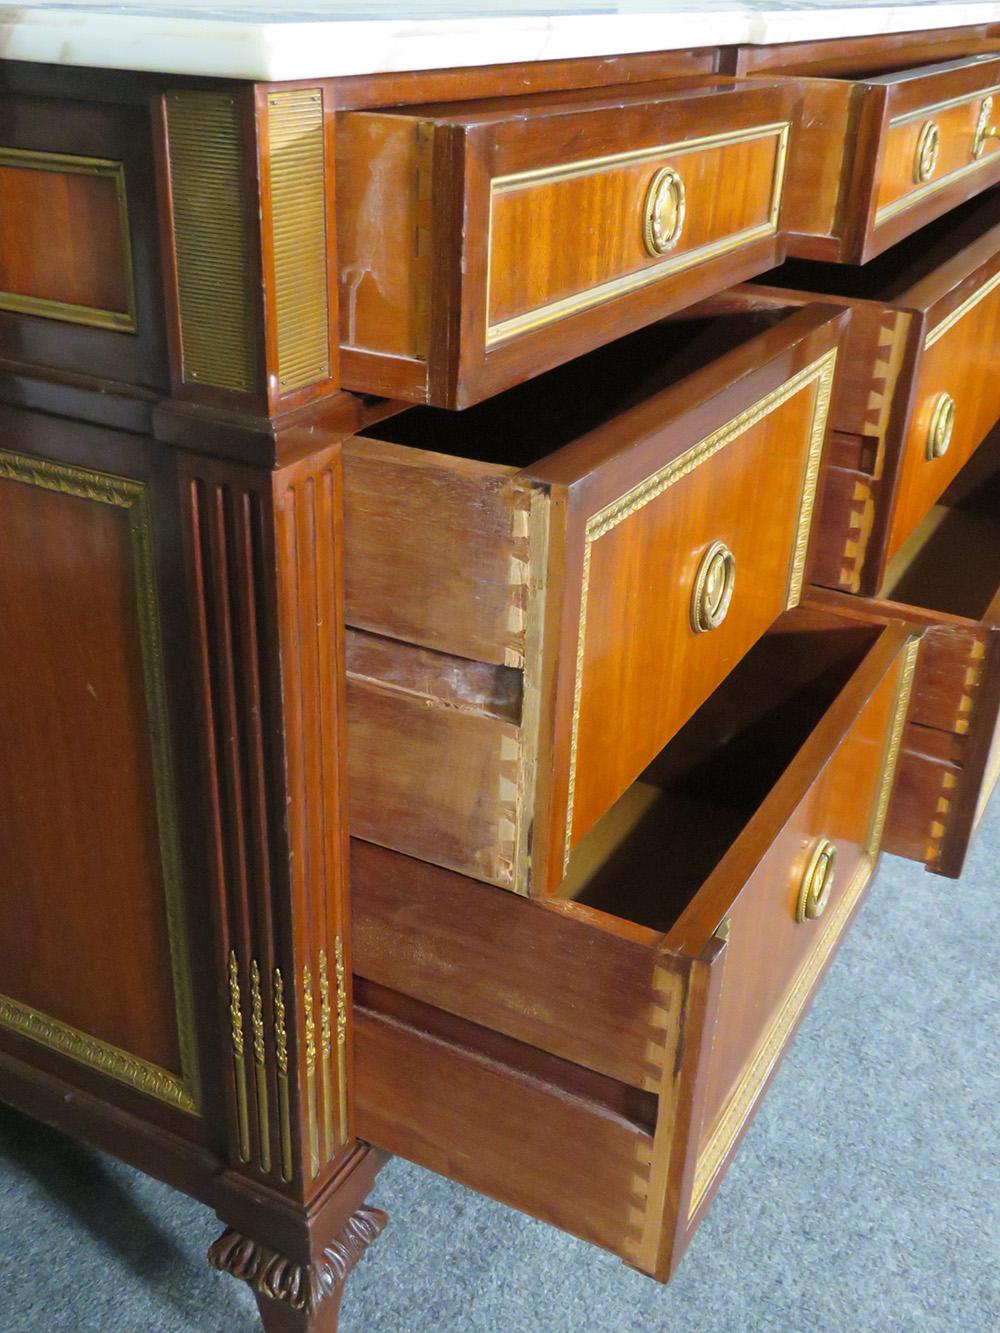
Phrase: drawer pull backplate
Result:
[713,588]
[664,214]
[941,426]
[817,882]
[928,148]
[984,130]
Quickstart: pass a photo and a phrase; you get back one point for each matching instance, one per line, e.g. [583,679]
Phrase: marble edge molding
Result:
[244,47]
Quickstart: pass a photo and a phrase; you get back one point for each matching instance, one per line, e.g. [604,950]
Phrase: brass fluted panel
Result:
[298,221]
[208,185]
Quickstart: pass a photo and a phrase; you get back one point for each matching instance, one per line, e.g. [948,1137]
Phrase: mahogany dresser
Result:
[499,527]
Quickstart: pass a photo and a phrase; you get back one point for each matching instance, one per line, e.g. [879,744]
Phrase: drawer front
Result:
[786,920]
[939,144]
[675,570]
[481,246]
[955,397]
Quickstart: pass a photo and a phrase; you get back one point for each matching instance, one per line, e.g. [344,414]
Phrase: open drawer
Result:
[622,1035]
[887,139]
[480,243]
[947,577]
[542,589]
[918,389]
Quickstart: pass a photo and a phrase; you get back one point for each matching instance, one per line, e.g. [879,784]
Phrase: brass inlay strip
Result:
[239,1063]
[341,1039]
[674,262]
[711,1157]
[260,1067]
[960,311]
[922,112]
[298,219]
[894,741]
[310,1032]
[326,1055]
[605,520]
[714,1153]
[133,497]
[281,1056]
[123,321]
[208,189]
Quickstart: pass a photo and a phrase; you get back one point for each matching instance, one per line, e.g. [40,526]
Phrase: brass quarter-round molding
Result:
[984,130]
[663,221]
[928,148]
[942,424]
[817,882]
[713,588]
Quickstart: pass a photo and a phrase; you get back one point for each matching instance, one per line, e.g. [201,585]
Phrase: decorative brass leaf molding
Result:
[819,374]
[301,1286]
[179,1090]
[239,1064]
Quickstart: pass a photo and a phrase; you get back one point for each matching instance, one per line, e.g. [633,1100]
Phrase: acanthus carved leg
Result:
[296,1297]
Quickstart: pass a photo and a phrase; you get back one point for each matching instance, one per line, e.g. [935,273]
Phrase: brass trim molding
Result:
[674,262]
[893,744]
[260,1068]
[281,1059]
[121,321]
[309,1024]
[342,1007]
[132,496]
[820,372]
[298,222]
[980,294]
[922,112]
[714,1152]
[208,195]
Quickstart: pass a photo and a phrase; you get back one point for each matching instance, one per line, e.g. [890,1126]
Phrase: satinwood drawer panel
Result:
[947,577]
[547,617]
[875,155]
[918,388]
[483,242]
[631,1022]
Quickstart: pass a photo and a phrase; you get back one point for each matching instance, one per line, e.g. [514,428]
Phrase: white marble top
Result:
[296,39]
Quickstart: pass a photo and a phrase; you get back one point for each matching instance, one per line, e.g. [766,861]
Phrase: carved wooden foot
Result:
[299,1297]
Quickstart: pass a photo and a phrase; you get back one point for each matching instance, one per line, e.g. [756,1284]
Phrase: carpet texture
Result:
[865,1196]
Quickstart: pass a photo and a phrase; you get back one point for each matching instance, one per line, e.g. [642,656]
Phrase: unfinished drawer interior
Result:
[883,147]
[754,832]
[483,242]
[947,576]
[605,542]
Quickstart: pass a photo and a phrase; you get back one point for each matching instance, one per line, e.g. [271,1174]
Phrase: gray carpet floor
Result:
[865,1196]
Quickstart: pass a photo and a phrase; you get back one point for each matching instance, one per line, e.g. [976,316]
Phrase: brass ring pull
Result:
[663,219]
[942,425]
[817,882]
[713,588]
[928,148]
[984,130]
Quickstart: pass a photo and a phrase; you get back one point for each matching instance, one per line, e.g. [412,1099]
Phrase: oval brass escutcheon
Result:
[713,588]
[928,148]
[984,130]
[817,882]
[663,219]
[942,424]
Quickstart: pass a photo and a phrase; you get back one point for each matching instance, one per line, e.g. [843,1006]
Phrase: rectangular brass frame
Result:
[654,272]
[181,1091]
[122,321]
[820,373]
